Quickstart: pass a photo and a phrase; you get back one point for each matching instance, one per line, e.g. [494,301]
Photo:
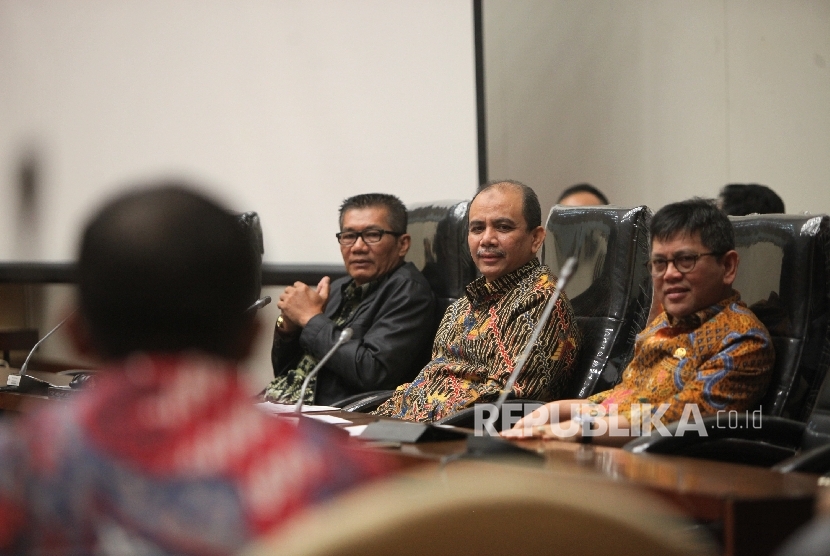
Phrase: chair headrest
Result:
[439,246]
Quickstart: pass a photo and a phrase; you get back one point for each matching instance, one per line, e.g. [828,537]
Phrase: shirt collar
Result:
[480,290]
[351,290]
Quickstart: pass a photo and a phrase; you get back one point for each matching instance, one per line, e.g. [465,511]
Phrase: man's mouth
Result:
[675,294]
[490,254]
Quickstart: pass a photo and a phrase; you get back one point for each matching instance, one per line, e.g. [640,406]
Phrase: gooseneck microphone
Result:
[564,274]
[345,336]
[14,379]
[258,304]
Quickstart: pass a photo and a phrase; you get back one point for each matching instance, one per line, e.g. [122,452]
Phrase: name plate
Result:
[406,431]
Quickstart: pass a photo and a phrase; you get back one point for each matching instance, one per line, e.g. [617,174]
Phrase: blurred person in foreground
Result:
[581,195]
[165,453]
[705,352]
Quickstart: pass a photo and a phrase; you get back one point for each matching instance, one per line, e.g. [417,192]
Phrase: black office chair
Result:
[610,293]
[611,289]
[784,276]
[439,250]
[250,222]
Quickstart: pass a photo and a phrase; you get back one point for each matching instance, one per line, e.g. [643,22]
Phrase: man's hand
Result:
[568,431]
[299,303]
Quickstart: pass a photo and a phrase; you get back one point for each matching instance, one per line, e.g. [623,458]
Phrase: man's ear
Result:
[80,336]
[730,262]
[538,234]
[404,242]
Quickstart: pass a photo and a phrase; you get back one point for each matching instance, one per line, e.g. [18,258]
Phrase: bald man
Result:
[483,334]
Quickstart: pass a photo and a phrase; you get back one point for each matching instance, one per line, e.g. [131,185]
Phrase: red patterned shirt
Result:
[163,455]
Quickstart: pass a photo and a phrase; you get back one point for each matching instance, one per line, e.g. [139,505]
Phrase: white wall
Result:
[283,106]
[655,101]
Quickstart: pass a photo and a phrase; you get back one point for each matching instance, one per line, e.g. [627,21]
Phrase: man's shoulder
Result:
[734,320]
[409,273]
[740,317]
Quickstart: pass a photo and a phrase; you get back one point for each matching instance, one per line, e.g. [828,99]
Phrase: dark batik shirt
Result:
[479,343]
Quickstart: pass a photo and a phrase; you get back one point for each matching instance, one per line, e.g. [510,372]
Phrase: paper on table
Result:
[331,419]
[356,430]
[269,407]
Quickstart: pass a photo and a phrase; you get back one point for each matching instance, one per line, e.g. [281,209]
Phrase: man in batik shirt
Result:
[483,334]
[705,352]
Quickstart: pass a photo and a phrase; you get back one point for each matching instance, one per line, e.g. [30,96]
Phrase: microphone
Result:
[564,275]
[345,336]
[15,380]
[258,304]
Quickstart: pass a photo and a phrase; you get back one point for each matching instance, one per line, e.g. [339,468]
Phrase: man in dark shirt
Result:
[387,303]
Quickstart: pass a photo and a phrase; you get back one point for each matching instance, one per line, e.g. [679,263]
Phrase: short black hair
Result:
[394,208]
[584,188]
[165,269]
[531,209]
[694,216]
[740,199]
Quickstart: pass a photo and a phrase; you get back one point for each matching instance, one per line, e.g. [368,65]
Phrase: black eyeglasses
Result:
[369,236]
[683,263]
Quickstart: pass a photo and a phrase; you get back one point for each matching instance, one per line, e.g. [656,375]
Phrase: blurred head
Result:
[582,194]
[740,199]
[164,269]
[505,228]
[373,239]
[693,258]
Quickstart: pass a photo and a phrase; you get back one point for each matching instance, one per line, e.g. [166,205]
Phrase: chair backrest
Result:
[439,248]
[611,289]
[522,511]
[783,277]
[251,224]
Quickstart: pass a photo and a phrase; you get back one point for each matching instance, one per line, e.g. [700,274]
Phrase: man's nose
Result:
[671,272]
[488,237]
[359,244]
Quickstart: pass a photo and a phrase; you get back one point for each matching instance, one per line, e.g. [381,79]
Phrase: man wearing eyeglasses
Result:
[705,350]
[387,303]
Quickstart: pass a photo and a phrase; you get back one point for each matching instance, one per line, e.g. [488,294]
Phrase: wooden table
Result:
[755,507]
[751,509]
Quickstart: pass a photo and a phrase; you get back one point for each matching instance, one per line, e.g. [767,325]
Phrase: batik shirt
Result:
[479,343]
[719,358]
[164,455]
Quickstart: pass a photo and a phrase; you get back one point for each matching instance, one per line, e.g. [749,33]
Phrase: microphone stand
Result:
[345,336]
[258,304]
[564,275]
[15,379]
